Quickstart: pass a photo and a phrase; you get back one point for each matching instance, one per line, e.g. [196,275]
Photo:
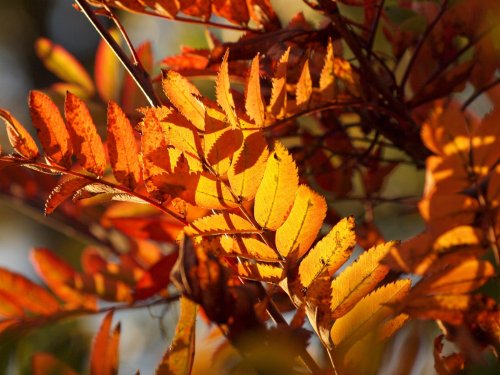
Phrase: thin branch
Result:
[373,30]
[140,77]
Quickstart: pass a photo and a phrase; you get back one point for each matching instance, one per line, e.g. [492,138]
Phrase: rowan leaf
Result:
[303,89]
[330,253]
[223,223]
[266,272]
[56,273]
[67,187]
[223,93]
[122,147]
[48,364]
[87,144]
[107,69]
[51,129]
[369,313]
[22,142]
[277,105]
[248,165]
[302,225]
[326,78]
[358,279]
[104,354]
[102,286]
[184,96]
[254,105]
[462,235]
[178,359]
[205,190]
[63,64]
[271,205]
[248,247]
[27,294]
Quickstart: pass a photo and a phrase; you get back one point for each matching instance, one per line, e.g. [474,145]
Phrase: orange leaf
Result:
[303,89]
[102,286]
[178,359]
[56,273]
[271,205]
[248,165]
[235,11]
[19,138]
[107,69]
[9,308]
[247,247]
[122,147]
[302,225]
[67,187]
[184,96]
[104,354]
[87,144]
[47,364]
[277,105]
[52,131]
[27,294]
[327,79]
[253,97]
[223,93]
[359,279]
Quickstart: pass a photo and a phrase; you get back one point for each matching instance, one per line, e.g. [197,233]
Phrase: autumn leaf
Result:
[104,354]
[205,190]
[303,88]
[267,272]
[327,79]
[254,105]
[247,247]
[67,187]
[51,129]
[122,147]
[48,364]
[223,93]
[107,69]
[222,223]
[178,359]
[302,225]
[184,96]
[271,206]
[277,105]
[87,144]
[19,138]
[358,279]
[102,286]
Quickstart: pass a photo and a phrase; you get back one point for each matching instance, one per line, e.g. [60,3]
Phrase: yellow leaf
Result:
[248,165]
[302,225]
[463,235]
[277,105]
[358,279]
[178,359]
[87,144]
[22,142]
[368,313]
[223,93]
[253,98]
[122,147]
[205,190]
[303,88]
[330,253]
[184,96]
[271,204]
[248,247]
[327,79]
[223,223]
[267,272]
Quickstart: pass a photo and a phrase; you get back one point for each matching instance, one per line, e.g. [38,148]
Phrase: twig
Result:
[374,28]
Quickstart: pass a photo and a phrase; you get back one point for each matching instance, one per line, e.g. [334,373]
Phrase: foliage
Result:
[241,185]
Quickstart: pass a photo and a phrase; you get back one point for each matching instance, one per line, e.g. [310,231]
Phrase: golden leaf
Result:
[254,105]
[267,272]
[303,89]
[277,105]
[327,79]
[223,223]
[223,93]
[248,247]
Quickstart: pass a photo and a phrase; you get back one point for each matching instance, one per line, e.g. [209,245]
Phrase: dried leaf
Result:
[184,96]
[104,354]
[122,147]
[87,144]
[19,138]
[223,93]
[302,225]
[358,279]
[271,205]
[254,105]
[178,360]
[277,105]
[52,131]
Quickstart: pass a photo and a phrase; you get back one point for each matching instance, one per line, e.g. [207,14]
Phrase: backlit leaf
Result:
[19,138]
[247,247]
[107,69]
[223,223]
[52,131]
[254,105]
[358,279]
[178,360]
[277,105]
[327,79]
[223,93]
[67,187]
[87,144]
[463,235]
[302,225]
[303,89]
[267,272]
[122,147]
[184,96]
[102,286]
[271,205]
[330,253]
[63,64]
[104,354]
[248,165]
[205,190]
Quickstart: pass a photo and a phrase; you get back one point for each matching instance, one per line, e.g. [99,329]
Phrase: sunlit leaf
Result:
[254,105]
[267,272]
[277,105]
[107,69]
[223,93]
[19,138]
[104,354]
[303,89]
[223,223]
[67,187]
